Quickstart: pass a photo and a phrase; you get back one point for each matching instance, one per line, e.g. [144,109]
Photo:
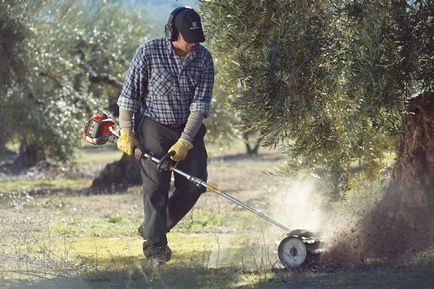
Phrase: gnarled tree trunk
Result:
[252,146]
[403,222]
[117,176]
[29,155]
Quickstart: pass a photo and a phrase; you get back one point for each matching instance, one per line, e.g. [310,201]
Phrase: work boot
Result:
[157,256]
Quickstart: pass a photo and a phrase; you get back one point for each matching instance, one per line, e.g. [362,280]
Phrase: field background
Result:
[54,235]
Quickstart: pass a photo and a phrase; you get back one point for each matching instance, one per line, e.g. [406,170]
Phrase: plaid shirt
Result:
[165,87]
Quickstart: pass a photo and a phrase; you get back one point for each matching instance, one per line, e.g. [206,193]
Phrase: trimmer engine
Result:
[98,129]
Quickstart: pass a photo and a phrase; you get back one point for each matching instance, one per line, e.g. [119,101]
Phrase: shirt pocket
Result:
[162,83]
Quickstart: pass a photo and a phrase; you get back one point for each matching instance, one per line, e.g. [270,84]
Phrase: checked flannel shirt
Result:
[164,87]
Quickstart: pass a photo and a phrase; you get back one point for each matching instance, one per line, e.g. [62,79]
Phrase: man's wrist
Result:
[194,122]
[125,119]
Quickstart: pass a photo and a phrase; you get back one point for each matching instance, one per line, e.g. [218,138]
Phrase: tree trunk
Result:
[117,176]
[251,149]
[29,155]
[403,222]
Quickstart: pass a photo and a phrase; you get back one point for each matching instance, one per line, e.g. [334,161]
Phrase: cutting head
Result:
[299,248]
[292,252]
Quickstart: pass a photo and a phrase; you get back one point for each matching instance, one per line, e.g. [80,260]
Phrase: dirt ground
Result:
[52,235]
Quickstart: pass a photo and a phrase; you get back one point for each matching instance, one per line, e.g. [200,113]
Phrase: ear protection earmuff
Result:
[169,29]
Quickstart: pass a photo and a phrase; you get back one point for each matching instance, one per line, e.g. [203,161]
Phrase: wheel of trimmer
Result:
[311,259]
[301,233]
[300,248]
[292,252]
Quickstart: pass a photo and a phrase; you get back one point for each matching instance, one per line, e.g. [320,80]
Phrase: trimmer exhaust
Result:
[299,247]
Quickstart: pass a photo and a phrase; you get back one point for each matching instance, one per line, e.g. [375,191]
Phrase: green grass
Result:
[199,220]
[114,219]
[22,185]
[98,154]
[105,227]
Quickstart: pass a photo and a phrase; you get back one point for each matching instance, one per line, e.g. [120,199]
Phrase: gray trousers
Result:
[164,211]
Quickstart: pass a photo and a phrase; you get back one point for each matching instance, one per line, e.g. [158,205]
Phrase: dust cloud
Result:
[358,230]
[368,227]
[299,203]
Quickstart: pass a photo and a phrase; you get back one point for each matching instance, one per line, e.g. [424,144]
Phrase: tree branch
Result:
[56,81]
[95,77]
[104,78]
[32,97]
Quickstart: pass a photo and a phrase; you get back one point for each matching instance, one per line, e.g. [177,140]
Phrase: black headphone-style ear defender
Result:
[169,29]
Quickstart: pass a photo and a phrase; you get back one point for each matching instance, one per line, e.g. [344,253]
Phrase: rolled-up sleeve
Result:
[203,92]
[135,85]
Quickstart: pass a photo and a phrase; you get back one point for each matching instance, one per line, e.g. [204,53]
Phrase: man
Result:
[170,81]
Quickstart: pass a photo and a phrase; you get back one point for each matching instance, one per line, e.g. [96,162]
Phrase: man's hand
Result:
[181,148]
[127,142]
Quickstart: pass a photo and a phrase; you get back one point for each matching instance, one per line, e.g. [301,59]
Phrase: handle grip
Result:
[113,138]
[164,163]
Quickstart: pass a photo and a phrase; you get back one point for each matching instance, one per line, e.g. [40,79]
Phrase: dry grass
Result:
[66,240]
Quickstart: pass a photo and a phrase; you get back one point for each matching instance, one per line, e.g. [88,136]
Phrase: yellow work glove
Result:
[181,148]
[127,142]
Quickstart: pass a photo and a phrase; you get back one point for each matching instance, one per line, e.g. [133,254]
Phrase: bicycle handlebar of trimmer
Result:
[138,154]
[113,137]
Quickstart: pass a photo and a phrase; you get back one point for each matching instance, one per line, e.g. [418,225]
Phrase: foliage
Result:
[49,47]
[223,119]
[386,60]
[327,80]
[225,123]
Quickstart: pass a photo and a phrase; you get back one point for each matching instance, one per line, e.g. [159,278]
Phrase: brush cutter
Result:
[299,247]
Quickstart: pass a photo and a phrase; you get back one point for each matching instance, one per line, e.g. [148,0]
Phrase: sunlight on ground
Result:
[53,236]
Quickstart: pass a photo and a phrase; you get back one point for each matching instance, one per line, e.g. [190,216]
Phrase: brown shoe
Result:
[159,257]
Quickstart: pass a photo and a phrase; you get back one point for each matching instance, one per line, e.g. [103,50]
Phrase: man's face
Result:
[183,45]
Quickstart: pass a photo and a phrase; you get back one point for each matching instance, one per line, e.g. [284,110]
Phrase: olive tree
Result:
[282,55]
[336,83]
[327,81]
[57,55]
